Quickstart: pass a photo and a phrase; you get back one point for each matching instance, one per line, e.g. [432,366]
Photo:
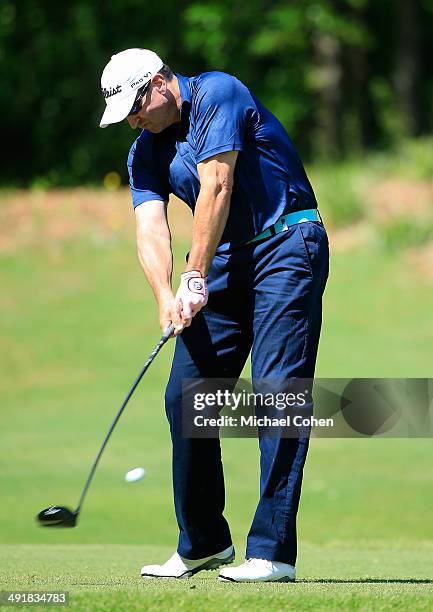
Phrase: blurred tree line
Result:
[344,76]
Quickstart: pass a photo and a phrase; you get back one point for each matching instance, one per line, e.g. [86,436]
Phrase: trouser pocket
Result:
[315,241]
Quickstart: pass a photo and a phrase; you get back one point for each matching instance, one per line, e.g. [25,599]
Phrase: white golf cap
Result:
[124,74]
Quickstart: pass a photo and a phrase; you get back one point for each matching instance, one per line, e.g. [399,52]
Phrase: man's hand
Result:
[192,295]
[169,314]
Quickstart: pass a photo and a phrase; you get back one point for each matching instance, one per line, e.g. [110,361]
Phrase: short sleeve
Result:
[219,110]
[144,182]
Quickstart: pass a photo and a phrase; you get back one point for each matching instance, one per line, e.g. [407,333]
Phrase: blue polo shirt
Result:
[220,114]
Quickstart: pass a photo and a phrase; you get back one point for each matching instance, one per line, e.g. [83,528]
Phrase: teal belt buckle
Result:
[285,221]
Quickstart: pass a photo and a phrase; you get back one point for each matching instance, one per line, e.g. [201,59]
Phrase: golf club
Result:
[60,516]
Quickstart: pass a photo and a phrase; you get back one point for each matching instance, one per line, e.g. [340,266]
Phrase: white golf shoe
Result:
[259,570]
[179,567]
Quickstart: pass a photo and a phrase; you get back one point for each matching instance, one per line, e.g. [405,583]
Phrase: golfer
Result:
[253,281]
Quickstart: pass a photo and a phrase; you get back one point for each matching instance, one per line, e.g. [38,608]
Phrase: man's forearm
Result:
[210,217]
[156,259]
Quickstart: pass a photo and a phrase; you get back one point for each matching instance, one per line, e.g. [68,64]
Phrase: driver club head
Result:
[60,516]
[57,516]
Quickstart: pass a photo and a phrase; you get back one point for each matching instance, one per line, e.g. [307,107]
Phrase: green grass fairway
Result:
[107,578]
[78,320]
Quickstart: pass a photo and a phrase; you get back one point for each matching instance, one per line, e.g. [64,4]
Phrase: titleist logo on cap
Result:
[107,93]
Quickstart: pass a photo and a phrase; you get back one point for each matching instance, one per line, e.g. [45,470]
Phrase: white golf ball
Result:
[135,474]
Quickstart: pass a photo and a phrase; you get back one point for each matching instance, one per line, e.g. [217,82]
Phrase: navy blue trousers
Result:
[265,298]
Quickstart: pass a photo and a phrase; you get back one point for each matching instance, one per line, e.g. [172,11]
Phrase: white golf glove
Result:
[192,294]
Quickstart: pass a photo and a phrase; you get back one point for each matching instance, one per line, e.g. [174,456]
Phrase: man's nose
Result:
[133,121]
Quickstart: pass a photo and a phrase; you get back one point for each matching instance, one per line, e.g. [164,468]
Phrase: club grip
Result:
[168,333]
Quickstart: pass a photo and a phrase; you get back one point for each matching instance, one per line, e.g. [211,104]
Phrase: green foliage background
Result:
[342,75]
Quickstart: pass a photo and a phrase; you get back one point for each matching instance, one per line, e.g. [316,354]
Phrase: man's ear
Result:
[160,83]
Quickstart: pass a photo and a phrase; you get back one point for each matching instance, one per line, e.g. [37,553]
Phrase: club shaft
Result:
[168,333]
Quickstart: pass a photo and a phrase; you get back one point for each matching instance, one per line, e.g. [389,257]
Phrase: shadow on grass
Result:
[367,581]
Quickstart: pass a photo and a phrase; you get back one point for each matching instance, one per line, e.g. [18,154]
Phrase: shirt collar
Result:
[185,92]
[185,95]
